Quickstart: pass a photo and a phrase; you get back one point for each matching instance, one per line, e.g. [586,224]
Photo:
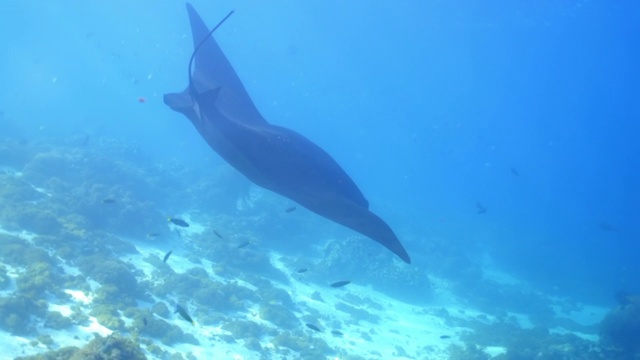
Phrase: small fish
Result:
[178,222]
[290,209]
[153,235]
[142,100]
[166,256]
[302,270]
[144,321]
[218,234]
[313,327]
[444,337]
[180,310]
[514,171]
[244,244]
[336,333]
[341,283]
[481,208]
[108,201]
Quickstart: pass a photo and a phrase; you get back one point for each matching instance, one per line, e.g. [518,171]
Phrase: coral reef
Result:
[72,174]
[167,333]
[112,347]
[55,320]
[270,294]
[118,279]
[13,153]
[16,251]
[382,271]
[534,343]
[161,310]
[38,278]
[469,352]
[108,316]
[232,261]
[278,315]
[308,347]
[17,191]
[620,331]
[16,312]
[196,285]
[5,280]
[246,330]
[65,353]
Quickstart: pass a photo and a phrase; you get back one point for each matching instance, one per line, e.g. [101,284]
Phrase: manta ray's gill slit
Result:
[195,51]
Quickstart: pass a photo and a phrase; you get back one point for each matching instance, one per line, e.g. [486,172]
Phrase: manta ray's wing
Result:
[212,70]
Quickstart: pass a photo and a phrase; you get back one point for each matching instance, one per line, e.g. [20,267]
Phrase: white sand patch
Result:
[23,234]
[6,170]
[71,270]
[12,273]
[64,310]
[14,346]
[494,351]
[216,349]
[79,296]
[563,331]
[582,314]
[95,327]
[41,190]
[491,272]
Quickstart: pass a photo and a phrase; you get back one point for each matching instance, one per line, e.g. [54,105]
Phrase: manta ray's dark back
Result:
[274,157]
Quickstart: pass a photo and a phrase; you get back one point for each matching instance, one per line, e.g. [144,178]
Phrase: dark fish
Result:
[607,227]
[291,209]
[313,327]
[445,337]
[244,244]
[144,321]
[336,333]
[153,235]
[342,283]
[166,256]
[180,310]
[218,234]
[178,222]
[301,271]
[481,208]
[108,201]
[514,171]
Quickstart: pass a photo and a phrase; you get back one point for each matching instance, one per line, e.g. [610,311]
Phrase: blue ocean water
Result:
[436,110]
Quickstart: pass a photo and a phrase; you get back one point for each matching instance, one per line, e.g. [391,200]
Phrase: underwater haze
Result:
[499,140]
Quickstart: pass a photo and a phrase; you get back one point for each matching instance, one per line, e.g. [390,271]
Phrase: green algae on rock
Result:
[112,347]
[16,312]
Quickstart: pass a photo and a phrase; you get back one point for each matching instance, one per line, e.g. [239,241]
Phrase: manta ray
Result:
[271,156]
